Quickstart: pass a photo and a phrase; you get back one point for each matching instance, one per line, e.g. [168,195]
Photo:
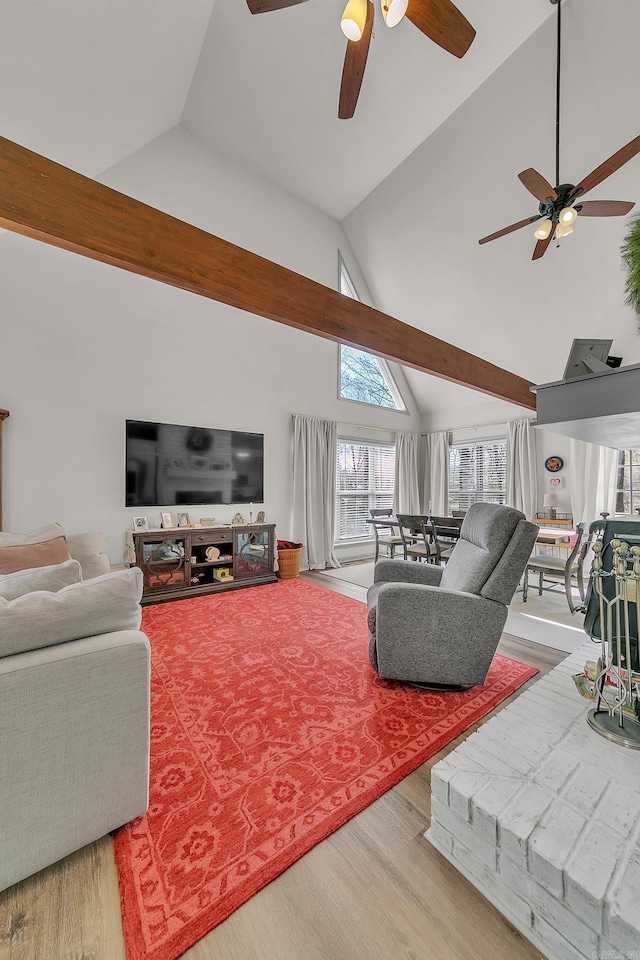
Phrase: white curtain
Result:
[314,490]
[406,495]
[522,468]
[592,480]
[436,474]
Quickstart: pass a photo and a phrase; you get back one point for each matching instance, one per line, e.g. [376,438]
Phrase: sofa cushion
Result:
[101,605]
[50,532]
[484,536]
[21,556]
[51,578]
[91,550]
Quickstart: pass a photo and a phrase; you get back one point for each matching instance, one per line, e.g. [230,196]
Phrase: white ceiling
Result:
[87,82]
[266,91]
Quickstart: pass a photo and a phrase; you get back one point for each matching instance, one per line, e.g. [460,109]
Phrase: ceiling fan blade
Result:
[266,6]
[541,246]
[605,208]
[355,61]
[514,226]
[443,23]
[608,167]
[537,185]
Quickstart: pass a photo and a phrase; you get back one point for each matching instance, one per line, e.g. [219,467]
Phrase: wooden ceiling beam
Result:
[46,201]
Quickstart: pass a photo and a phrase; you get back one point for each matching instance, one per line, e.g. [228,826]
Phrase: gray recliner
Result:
[440,626]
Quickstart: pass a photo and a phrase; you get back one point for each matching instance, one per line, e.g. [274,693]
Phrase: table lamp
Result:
[550,503]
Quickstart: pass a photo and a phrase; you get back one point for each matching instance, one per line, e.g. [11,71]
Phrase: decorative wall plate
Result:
[553,464]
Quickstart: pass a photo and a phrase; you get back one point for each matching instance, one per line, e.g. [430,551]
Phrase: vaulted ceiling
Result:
[89,82]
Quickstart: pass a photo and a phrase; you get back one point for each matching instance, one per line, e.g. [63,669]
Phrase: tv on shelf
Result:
[171,465]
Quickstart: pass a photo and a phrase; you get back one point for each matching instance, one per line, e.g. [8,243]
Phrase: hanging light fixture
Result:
[543,231]
[567,216]
[563,230]
[354,19]
[393,11]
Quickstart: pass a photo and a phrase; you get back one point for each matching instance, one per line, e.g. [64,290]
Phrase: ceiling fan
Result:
[440,20]
[557,205]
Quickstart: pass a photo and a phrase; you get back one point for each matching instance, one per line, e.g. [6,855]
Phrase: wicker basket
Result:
[289,563]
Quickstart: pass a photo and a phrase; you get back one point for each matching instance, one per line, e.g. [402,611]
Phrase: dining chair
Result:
[417,540]
[383,533]
[558,571]
[445,532]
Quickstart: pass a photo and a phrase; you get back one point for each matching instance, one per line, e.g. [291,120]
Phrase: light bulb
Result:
[564,229]
[543,230]
[354,19]
[567,216]
[393,11]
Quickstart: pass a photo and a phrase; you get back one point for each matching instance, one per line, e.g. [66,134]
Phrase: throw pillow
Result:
[51,532]
[91,550]
[52,578]
[86,609]
[26,555]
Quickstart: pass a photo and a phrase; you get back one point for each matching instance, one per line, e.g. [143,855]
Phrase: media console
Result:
[187,562]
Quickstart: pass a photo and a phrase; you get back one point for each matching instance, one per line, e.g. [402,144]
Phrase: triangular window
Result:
[364,377]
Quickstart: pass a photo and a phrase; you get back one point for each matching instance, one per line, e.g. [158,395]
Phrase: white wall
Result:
[86,345]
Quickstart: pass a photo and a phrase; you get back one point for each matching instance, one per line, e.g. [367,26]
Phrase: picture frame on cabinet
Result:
[166,521]
[140,524]
[183,519]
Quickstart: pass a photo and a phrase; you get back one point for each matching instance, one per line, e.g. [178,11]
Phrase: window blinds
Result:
[364,480]
[477,472]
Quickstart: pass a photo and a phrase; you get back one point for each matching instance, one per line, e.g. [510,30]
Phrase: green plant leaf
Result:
[631,263]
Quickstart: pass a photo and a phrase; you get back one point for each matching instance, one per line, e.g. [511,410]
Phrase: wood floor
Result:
[375,889]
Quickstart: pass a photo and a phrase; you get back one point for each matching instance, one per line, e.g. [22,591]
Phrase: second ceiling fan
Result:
[440,20]
[559,206]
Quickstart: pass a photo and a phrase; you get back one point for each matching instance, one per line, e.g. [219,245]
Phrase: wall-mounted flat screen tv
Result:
[170,465]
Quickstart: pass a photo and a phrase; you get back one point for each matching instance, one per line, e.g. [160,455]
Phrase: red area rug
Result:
[269,731]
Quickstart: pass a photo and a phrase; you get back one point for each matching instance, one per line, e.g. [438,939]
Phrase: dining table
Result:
[554,537]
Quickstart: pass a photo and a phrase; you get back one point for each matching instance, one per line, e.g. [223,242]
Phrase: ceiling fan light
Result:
[543,231]
[354,19]
[564,229]
[393,11]
[567,216]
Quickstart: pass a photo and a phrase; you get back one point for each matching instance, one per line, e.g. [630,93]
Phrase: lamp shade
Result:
[543,230]
[354,19]
[551,500]
[567,216]
[564,229]
[393,11]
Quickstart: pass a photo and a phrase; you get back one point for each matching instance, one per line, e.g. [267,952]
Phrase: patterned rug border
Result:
[418,751]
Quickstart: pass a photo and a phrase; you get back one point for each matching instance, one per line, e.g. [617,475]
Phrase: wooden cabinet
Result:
[186,562]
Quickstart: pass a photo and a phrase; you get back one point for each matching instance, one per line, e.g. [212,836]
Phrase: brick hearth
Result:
[542,815]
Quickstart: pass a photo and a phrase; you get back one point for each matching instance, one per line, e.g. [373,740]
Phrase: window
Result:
[628,481]
[477,472]
[363,377]
[365,474]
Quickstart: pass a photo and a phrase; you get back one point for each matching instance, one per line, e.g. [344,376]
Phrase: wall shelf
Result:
[599,408]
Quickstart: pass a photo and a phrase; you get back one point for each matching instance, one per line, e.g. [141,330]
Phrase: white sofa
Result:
[74,710]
